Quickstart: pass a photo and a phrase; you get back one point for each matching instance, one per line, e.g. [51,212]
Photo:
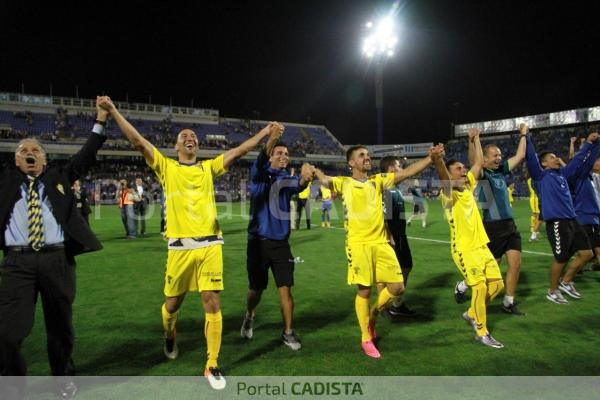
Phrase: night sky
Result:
[299,61]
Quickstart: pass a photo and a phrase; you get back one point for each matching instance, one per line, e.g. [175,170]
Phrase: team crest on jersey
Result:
[60,188]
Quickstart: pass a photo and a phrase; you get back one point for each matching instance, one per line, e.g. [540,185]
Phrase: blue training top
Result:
[271,190]
[553,184]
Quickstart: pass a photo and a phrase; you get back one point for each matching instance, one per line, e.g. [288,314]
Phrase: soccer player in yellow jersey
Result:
[194,260]
[371,259]
[534,205]
[511,190]
[468,237]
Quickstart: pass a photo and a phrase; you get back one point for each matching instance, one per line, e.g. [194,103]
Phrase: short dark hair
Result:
[543,155]
[278,144]
[352,149]
[386,162]
[451,162]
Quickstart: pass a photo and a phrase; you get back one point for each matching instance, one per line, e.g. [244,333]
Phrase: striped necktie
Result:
[34,216]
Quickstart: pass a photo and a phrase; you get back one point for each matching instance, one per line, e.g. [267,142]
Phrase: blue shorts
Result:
[326,205]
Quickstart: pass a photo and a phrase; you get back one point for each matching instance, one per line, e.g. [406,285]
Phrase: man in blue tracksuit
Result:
[586,203]
[565,235]
[268,231]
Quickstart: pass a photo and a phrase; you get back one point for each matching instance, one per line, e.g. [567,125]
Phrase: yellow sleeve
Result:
[160,164]
[216,165]
[386,180]
[337,183]
[471,182]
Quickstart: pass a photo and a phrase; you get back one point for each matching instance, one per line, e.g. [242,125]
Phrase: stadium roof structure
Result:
[560,118]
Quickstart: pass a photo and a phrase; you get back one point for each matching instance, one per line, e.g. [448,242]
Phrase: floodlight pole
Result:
[379,98]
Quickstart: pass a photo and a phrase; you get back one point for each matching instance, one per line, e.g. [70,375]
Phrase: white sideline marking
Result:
[538,253]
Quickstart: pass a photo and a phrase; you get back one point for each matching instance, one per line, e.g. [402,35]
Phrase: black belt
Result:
[29,249]
[212,238]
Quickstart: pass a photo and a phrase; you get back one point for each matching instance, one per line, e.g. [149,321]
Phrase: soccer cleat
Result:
[215,378]
[291,341]
[247,327]
[322,224]
[459,296]
[556,297]
[170,348]
[470,321]
[370,349]
[569,288]
[512,309]
[488,340]
[596,267]
[534,239]
[400,311]
[371,328]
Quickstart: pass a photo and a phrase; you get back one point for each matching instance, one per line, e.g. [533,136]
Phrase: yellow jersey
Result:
[305,194]
[189,195]
[363,206]
[466,228]
[511,199]
[325,193]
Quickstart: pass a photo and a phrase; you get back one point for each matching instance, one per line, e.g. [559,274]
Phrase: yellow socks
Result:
[477,311]
[382,300]
[362,313]
[168,321]
[493,289]
[213,327]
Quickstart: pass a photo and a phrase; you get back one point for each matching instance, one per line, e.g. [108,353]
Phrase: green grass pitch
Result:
[119,295]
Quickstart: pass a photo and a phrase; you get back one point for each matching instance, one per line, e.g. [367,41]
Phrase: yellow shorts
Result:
[534,204]
[194,270]
[372,263]
[477,265]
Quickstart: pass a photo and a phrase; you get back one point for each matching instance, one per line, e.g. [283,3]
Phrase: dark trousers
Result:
[22,277]
[140,216]
[303,204]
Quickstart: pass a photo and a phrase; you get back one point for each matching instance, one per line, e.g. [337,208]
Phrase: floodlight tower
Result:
[379,45]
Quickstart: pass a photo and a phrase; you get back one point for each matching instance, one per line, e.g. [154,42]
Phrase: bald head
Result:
[30,157]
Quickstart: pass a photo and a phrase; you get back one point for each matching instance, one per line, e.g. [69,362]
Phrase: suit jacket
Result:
[57,180]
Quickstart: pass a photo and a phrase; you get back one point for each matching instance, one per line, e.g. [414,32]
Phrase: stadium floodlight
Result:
[381,38]
[378,45]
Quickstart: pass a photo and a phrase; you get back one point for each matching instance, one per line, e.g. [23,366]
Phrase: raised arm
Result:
[306,174]
[519,156]
[325,180]
[237,152]
[582,163]
[443,174]
[134,137]
[412,169]
[533,163]
[274,137]
[472,151]
[81,162]
[572,147]
[475,149]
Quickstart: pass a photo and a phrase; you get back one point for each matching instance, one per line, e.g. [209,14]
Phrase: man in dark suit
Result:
[141,206]
[41,232]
